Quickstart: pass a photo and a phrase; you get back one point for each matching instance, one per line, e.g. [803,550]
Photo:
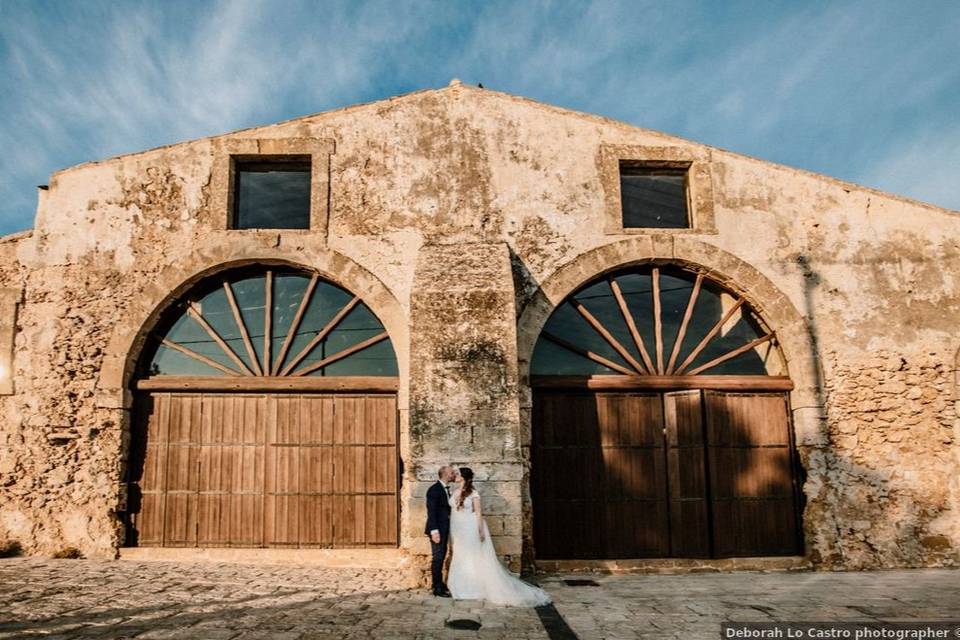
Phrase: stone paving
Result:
[218,601]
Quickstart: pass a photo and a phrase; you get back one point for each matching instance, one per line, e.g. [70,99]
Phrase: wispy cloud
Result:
[929,164]
[865,91]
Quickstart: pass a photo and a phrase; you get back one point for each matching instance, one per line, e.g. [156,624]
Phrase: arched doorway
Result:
[660,424]
[265,415]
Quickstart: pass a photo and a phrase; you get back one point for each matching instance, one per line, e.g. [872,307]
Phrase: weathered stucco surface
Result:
[456,213]
[463,385]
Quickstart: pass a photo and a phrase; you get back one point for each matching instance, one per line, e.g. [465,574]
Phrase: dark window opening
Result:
[272,194]
[654,196]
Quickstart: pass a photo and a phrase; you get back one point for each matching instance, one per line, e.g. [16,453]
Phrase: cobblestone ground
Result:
[152,600]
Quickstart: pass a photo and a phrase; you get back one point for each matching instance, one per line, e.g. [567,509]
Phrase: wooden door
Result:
[254,470]
[331,472]
[599,475]
[678,474]
[168,496]
[752,481]
[230,470]
[686,475]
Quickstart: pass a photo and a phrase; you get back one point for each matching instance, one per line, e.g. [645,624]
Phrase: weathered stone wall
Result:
[854,281]
[886,471]
[463,393]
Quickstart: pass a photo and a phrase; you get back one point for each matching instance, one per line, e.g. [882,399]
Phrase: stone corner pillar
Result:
[464,398]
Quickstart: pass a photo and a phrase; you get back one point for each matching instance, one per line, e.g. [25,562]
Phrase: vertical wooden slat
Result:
[326,504]
[267,318]
[286,454]
[686,467]
[246,526]
[310,456]
[348,465]
[209,464]
[657,320]
[380,470]
[171,469]
[182,476]
[270,471]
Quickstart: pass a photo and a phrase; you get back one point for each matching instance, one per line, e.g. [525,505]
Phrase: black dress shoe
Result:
[442,593]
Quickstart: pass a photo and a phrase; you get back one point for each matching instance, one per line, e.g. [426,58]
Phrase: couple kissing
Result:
[455,518]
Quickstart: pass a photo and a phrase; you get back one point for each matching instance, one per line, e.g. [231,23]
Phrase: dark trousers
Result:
[439,553]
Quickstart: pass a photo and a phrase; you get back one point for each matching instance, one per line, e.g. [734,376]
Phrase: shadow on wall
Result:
[133,470]
[856,517]
[810,280]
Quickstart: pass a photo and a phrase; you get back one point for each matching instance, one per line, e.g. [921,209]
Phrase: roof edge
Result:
[16,236]
[358,105]
[456,86]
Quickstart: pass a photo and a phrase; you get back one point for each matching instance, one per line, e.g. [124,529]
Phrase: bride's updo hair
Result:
[467,474]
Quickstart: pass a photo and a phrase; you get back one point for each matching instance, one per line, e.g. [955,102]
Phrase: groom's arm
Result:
[432,524]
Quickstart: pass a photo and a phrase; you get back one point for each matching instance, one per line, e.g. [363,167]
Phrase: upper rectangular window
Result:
[650,190]
[272,193]
[653,197]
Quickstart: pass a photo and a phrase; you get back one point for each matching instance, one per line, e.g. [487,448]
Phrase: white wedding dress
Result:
[475,571]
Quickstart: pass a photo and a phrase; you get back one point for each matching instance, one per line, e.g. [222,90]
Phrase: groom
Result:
[438,525]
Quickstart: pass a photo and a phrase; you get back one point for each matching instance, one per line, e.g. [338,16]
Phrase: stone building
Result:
[648,349]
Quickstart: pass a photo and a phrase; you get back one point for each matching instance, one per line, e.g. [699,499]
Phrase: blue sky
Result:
[863,91]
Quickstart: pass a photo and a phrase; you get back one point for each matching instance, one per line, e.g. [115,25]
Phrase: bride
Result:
[475,571]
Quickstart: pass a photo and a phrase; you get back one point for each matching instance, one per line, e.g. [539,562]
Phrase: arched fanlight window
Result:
[655,321]
[270,322]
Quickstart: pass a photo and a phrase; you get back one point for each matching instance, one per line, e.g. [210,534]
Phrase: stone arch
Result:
[142,315]
[793,332]
[133,324]
[723,267]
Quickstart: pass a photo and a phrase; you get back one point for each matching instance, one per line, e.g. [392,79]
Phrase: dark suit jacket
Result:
[438,510]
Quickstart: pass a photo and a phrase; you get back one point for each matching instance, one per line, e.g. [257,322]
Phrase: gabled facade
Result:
[771,374]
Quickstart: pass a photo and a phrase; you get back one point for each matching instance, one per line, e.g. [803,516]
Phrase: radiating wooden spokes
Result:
[654,365]
[278,366]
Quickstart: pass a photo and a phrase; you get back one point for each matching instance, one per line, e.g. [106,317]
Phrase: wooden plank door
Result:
[147,470]
[750,458]
[381,474]
[315,464]
[183,472]
[230,512]
[331,476]
[598,476]
[633,498]
[254,470]
[170,472]
[565,475]
[283,427]
[687,475]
